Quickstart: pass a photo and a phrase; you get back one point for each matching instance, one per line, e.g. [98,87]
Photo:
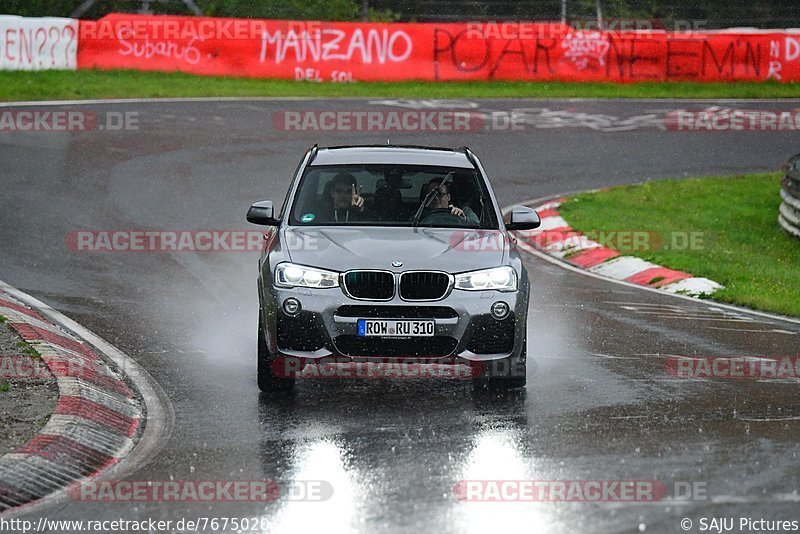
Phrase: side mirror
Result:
[523,218]
[262,213]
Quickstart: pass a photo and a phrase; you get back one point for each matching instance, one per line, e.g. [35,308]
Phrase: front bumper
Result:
[326,328]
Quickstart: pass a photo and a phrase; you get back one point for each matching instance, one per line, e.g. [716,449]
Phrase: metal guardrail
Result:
[789,211]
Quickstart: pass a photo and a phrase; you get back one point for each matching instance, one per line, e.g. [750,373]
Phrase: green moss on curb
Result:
[29,349]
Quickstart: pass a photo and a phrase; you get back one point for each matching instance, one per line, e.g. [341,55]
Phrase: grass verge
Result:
[95,84]
[738,242]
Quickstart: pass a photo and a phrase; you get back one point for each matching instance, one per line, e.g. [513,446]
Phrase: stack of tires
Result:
[789,217]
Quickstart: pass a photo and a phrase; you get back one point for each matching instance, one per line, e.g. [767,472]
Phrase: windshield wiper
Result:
[428,197]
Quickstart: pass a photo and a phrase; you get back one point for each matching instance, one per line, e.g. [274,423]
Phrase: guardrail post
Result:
[789,211]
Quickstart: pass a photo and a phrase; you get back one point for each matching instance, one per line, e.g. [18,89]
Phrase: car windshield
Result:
[392,195]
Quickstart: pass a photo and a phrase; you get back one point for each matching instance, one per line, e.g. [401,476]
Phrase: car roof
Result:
[392,155]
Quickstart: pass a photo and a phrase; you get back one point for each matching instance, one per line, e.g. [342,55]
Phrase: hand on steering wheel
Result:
[441,212]
[456,211]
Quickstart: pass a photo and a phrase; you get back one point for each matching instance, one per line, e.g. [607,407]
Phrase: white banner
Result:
[38,43]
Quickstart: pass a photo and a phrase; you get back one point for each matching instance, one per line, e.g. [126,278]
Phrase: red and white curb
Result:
[97,419]
[556,238]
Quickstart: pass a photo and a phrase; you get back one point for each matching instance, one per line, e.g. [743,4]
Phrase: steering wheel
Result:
[440,216]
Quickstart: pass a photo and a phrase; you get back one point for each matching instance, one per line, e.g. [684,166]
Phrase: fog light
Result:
[292,306]
[499,310]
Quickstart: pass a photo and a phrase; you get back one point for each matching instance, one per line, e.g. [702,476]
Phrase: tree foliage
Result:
[265,9]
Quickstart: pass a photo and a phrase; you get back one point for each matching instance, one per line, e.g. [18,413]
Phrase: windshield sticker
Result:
[307,217]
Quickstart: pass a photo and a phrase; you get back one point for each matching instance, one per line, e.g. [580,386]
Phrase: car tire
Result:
[267,381]
[501,380]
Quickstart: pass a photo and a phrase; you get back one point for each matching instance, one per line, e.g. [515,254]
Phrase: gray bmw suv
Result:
[391,253]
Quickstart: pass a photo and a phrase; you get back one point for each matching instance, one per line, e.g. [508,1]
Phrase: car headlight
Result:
[292,275]
[499,279]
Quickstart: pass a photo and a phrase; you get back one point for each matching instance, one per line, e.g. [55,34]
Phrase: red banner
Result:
[343,52]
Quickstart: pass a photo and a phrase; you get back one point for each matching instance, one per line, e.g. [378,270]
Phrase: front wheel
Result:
[267,381]
[505,373]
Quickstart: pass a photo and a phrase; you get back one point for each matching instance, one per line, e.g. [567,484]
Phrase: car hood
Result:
[444,249]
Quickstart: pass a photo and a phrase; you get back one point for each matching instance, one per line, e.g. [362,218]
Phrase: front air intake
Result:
[424,285]
[369,285]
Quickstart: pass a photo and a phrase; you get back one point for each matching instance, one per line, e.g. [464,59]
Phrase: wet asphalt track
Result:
[599,404]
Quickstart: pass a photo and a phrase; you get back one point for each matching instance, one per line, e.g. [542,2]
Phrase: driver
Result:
[441,200]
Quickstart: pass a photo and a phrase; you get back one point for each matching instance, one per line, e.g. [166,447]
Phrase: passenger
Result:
[346,204]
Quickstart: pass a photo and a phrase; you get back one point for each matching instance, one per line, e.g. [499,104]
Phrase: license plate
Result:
[395,328]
